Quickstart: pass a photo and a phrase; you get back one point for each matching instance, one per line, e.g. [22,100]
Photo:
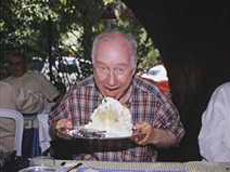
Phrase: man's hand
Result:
[147,134]
[63,127]
[143,133]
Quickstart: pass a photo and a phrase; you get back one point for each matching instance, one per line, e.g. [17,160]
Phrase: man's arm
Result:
[60,118]
[166,129]
[150,135]
[48,89]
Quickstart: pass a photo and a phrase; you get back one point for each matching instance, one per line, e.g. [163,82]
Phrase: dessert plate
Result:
[83,133]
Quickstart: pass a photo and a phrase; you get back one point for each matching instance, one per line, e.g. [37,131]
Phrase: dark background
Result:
[193,39]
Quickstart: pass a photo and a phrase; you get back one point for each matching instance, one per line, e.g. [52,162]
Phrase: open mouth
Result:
[111,89]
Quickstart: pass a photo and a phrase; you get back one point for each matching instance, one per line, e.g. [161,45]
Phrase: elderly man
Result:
[154,116]
[19,100]
[21,77]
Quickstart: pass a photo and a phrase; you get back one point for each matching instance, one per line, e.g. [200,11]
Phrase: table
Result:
[195,166]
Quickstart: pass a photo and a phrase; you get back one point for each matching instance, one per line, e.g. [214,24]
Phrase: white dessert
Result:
[112,117]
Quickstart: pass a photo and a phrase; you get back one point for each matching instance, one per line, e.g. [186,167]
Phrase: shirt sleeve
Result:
[63,110]
[166,116]
[48,90]
[214,140]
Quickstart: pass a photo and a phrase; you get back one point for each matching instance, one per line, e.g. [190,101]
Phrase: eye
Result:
[103,69]
[120,71]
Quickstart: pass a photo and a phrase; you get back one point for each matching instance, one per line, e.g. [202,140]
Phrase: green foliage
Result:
[51,29]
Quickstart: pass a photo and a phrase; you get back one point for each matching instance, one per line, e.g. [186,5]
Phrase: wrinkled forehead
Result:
[114,38]
[114,41]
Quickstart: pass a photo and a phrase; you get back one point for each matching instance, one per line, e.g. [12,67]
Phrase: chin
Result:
[111,95]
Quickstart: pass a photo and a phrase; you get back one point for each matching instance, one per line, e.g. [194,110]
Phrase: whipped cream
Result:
[112,117]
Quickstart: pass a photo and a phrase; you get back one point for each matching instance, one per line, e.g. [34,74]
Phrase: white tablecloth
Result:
[196,166]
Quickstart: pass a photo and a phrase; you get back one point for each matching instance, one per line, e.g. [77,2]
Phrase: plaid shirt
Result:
[146,103]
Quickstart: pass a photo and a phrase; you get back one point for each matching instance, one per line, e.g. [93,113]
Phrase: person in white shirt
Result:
[214,137]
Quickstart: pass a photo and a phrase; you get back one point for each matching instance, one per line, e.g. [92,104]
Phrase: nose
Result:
[111,78]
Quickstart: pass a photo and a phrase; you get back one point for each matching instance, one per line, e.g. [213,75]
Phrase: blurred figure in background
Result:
[214,137]
[19,100]
[158,75]
[21,77]
[4,73]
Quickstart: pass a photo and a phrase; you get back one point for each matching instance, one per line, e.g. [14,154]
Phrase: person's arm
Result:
[158,137]
[62,127]
[166,130]
[214,140]
[60,119]
[48,89]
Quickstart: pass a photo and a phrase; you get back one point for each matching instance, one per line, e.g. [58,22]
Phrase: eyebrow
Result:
[119,64]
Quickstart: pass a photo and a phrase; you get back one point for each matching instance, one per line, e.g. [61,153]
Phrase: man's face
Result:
[113,69]
[17,66]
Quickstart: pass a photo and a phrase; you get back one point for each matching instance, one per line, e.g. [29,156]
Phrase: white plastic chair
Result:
[19,126]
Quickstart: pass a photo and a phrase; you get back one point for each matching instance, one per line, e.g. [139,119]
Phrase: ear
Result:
[133,71]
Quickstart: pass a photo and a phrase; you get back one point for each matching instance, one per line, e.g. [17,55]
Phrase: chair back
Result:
[19,126]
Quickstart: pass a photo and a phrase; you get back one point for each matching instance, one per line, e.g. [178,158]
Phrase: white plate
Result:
[38,169]
[82,133]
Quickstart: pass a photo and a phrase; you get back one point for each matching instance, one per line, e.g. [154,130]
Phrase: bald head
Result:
[114,61]
[115,38]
